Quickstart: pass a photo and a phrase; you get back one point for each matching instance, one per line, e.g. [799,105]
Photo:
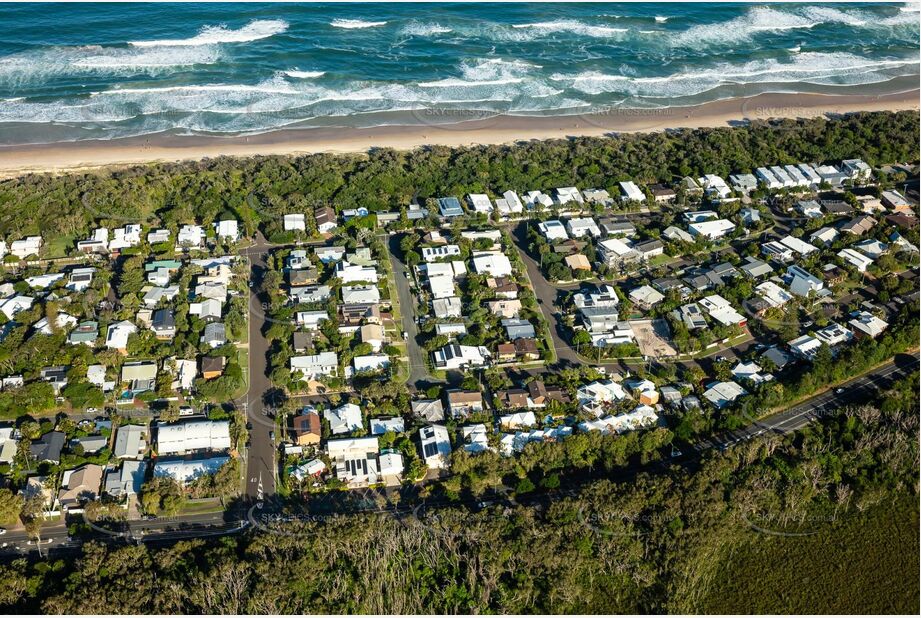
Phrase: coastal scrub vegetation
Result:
[778,524]
[258,190]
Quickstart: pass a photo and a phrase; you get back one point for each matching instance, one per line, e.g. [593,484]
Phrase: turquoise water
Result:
[101,71]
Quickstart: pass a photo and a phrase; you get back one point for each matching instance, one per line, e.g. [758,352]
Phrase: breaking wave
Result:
[212,35]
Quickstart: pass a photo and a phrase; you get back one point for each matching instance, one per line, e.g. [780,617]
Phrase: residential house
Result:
[130,442]
[315,366]
[865,324]
[163,324]
[464,403]
[48,447]
[646,297]
[430,410]
[492,263]
[455,356]
[344,419]
[722,394]
[80,486]
[294,223]
[140,376]
[435,445]
[192,436]
[215,335]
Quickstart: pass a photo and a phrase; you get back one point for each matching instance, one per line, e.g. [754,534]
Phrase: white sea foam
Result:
[416,28]
[211,35]
[353,24]
[304,74]
[38,66]
[757,20]
[573,27]
[808,67]
[661,19]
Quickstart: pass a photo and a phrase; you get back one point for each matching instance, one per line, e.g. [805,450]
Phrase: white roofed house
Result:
[510,204]
[629,192]
[722,311]
[26,247]
[833,335]
[371,362]
[294,222]
[42,282]
[13,305]
[535,199]
[344,419]
[805,346]
[209,309]
[97,243]
[492,263]
[744,183]
[646,297]
[824,236]
[190,237]
[750,372]
[773,294]
[797,245]
[117,335]
[553,230]
[568,195]
[433,254]
[722,394]
[130,442]
[858,260]
[858,169]
[227,230]
[192,436]
[802,282]
[480,203]
[435,445]
[187,470]
[809,173]
[355,460]
[769,180]
[125,237]
[713,229]
[316,365]
[614,252]
[80,279]
[781,175]
[593,396]
[715,187]
[455,356]
[354,273]
[583,226]
[448,307]
[157,236]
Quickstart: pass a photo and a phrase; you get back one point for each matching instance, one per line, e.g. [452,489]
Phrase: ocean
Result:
[105,71]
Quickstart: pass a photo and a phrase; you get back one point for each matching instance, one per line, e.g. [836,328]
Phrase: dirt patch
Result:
[653,337]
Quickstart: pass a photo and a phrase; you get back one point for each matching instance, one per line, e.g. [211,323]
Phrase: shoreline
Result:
[123,152]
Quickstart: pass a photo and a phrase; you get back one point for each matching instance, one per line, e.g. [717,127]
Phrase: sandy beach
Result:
[431,128]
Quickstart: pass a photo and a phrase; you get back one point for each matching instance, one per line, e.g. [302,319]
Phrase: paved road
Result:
[54,537]
[419,376]
[546,299]
[260,461]
[857,390]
